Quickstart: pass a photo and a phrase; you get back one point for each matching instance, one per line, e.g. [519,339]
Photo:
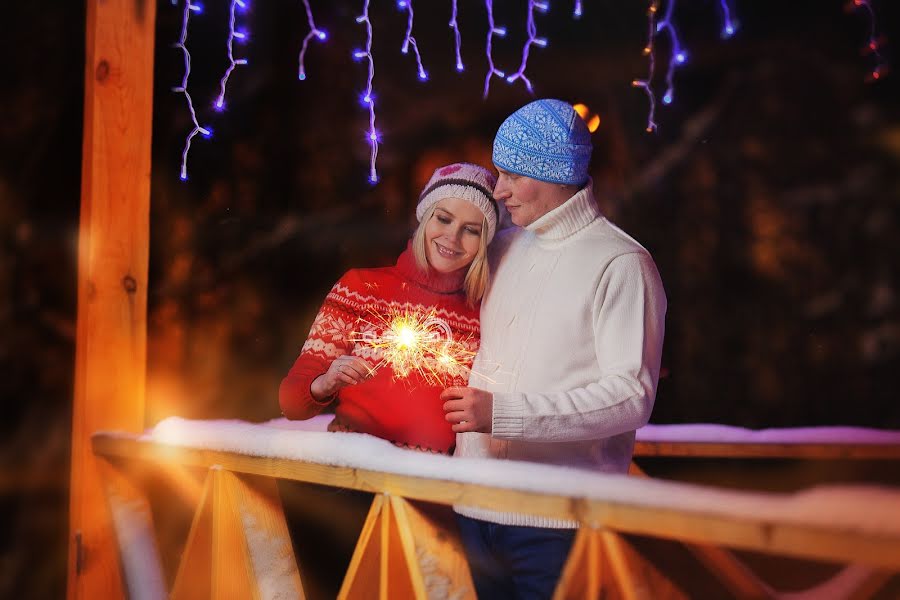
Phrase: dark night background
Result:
[769,199]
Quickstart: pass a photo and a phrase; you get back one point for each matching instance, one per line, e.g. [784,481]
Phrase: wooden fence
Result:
[239,544]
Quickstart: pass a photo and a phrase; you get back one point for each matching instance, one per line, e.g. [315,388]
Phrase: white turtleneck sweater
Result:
[571,336]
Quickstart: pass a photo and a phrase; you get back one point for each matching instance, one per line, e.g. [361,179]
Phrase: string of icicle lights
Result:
[661,18]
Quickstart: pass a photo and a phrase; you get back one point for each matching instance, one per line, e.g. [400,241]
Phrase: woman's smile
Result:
[445,251]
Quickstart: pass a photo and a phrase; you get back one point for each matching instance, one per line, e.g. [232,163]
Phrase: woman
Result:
[441,275]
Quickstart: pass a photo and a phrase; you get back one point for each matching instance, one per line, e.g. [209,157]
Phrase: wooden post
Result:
[113,247]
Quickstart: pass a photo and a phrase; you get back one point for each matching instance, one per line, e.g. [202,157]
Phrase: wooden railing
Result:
[853,582]
[239,544]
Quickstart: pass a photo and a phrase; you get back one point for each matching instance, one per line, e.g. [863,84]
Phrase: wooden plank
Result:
[582,574]
[869,582]
[113,247]
[259,515]
[362,580]
[775,450]
[725,566]
[731,572]
[438,552]
[404,577]
[853,582]
[133,526]
[596,570]
[193,581]
[654,518]
[635,577]
[397,559]
[232,570]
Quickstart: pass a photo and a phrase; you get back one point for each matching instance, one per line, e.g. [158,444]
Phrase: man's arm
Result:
[628,326]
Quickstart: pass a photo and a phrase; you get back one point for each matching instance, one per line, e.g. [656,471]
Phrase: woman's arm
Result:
[325,364]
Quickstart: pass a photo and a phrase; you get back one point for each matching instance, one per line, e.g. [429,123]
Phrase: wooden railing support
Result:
[113,247]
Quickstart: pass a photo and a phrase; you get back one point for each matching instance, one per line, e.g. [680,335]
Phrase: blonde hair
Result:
[476,280]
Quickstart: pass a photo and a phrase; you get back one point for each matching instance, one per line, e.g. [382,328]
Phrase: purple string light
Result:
[233,34]
[492,31]
[455,26]
[578,11]
[409,40]
[728,25]
[368,98]
[532,40]
[677,56]
[182,89]
[649,51]
[873,44]
[314,32]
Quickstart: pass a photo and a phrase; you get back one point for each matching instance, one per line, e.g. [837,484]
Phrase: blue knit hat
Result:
[545,140]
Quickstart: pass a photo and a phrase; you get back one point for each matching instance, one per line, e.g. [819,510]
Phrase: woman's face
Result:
[453,235]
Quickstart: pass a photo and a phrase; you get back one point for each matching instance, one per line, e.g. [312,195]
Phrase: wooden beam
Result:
[655,517]
[239,545]
[113,248]
[434,549]
[194,577]
[635,576]
[725,566]
[740,580]
[804,450]
[256,527]
[135,535]
[582,574]
[364,573]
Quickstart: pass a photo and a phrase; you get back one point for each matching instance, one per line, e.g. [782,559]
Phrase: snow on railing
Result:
[821,523]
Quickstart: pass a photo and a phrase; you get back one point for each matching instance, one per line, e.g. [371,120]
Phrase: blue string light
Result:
[409,40]
[532,40]
[368,98]
[233,34]
[314,32]
[182,89]
[492,31]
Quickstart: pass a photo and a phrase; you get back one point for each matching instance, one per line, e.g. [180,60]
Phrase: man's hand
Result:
[469,409]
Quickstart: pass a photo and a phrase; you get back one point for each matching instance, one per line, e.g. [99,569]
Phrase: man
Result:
[571,336]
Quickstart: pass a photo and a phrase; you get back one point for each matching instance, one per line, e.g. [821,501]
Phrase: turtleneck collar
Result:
[442,283]
[569,218]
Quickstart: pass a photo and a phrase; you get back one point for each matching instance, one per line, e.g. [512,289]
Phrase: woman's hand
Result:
[344,370]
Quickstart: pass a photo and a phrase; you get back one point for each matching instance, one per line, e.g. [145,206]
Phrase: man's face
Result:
[528,199]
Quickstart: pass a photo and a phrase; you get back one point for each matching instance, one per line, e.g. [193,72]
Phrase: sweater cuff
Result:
[508,422]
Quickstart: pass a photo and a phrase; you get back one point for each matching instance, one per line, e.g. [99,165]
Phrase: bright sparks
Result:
[414,342]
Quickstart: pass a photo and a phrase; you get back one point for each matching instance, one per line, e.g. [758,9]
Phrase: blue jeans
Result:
[510,561]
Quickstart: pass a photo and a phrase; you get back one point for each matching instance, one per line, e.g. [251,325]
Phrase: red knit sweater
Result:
[405,410]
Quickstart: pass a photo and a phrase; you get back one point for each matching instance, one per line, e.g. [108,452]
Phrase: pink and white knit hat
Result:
[462,180]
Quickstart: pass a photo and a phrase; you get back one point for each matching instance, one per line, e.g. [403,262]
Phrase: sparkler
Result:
[415,342]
